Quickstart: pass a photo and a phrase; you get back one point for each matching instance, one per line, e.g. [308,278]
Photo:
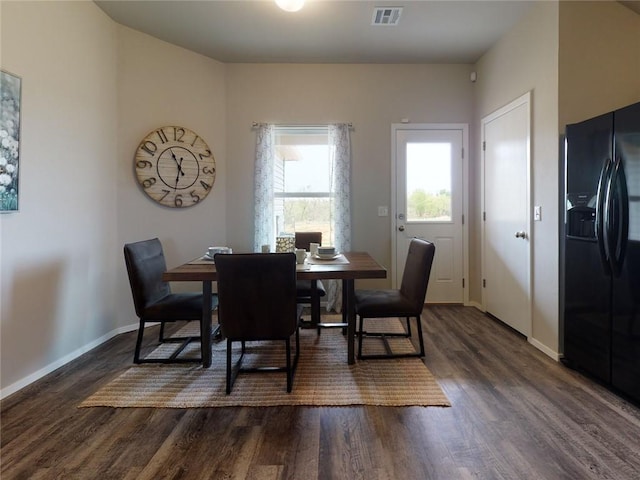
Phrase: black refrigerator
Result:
[601,252]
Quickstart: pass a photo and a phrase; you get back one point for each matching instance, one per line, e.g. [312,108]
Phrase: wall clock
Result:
[175,167]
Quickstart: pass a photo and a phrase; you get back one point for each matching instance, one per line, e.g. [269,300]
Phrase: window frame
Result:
[303,135]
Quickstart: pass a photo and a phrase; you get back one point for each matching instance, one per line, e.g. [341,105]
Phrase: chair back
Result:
[304,239]
[257,295]
[417,270]
[145,265]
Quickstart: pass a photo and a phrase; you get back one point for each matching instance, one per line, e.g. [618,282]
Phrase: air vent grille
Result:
[389,16]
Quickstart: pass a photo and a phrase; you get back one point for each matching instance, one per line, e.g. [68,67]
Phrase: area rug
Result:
[323,378]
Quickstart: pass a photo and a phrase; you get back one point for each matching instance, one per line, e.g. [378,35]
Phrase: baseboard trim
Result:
[474,304]
[544,349]
[29,379]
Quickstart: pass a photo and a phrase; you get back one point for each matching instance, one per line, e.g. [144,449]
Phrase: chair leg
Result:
[360,335]
[420,339]
[291,367]
[233,370]
[287,344]
[229,346]
[387,345]
[297,357]
[161,337]
[136,354]
[315,312]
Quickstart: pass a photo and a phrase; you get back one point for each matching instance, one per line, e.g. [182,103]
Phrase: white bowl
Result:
[211,251]
[325,251]
[331,256]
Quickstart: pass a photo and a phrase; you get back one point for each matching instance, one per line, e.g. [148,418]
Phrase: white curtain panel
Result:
[340,188]
[341,209]
[263,186]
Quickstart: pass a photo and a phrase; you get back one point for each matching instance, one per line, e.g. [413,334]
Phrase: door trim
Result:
[464,127]
[520,101]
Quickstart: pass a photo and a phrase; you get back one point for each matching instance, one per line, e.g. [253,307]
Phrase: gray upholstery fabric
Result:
[257,294]
[404,303]
[408,301]
[153,299]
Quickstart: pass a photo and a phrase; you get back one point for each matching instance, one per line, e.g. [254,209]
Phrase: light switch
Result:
[383,211]
[537,213]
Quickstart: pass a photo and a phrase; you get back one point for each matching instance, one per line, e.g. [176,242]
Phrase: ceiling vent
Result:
[386,16]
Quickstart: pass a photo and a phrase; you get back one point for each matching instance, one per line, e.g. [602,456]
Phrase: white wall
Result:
[91,90]
[526,59]
[371,97]
[58,269]
[160,84]
[597,73]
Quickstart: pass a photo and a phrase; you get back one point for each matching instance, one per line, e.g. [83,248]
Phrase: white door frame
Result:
[395,127]
[526,101]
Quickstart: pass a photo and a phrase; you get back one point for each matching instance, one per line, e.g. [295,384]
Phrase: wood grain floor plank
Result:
[515,414]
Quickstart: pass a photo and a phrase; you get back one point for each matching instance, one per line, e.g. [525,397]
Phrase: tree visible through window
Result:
[302,182]
[428,182]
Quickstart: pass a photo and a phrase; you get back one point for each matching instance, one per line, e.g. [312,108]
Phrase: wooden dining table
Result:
[358,265]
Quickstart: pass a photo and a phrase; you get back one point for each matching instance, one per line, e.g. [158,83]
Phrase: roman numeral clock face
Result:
[175,167]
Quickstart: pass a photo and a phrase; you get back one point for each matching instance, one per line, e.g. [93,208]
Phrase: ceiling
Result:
[325,31]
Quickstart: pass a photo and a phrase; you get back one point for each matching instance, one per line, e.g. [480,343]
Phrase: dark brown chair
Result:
[154,301]
[407,302]
[257,302]
[304,288]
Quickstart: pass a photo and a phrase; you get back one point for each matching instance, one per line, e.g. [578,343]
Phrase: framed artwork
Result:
[10,90]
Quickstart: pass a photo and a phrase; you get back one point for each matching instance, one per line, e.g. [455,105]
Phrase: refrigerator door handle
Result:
[619,216]
[601,231]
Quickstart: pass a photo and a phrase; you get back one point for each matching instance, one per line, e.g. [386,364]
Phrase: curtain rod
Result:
[255,124]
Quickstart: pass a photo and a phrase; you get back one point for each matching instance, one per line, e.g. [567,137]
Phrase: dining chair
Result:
[304,288]
[155,302]
[257,303]
[405,303]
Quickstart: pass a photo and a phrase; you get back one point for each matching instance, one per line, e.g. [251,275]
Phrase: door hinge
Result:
[484,216]
[484,145]
[463,283]
[484,283]
[463,152]
[463,219]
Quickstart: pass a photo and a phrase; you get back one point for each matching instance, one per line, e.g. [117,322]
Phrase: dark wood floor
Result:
[516,414]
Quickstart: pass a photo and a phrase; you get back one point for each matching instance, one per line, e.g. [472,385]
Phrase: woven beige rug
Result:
[323,378]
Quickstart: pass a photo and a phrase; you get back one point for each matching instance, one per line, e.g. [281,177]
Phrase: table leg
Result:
[205,324]
[348,305]
[315,304]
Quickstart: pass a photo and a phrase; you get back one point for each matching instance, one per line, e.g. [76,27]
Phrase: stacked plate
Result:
[211,251]
[326,253]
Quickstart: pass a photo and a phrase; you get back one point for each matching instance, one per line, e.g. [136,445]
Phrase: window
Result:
[302,181]
[428,182]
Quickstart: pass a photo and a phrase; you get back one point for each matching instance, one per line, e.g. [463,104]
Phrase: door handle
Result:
[617,216]
[601,203]
[401,228]
[522,234]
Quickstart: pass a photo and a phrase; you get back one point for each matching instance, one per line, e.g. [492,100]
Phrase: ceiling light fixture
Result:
[290,5]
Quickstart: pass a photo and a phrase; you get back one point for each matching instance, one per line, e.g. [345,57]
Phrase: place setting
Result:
[319,255]
[209,255]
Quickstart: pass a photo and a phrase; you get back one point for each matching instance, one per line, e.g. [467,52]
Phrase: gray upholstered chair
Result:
[304,288]
[404,303]
[257,302]
[154,301]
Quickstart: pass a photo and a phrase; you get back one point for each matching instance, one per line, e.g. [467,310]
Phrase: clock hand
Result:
[173,155]
[179,171]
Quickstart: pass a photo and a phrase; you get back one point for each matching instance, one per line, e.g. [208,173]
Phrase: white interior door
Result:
[429,204]
[506,239]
